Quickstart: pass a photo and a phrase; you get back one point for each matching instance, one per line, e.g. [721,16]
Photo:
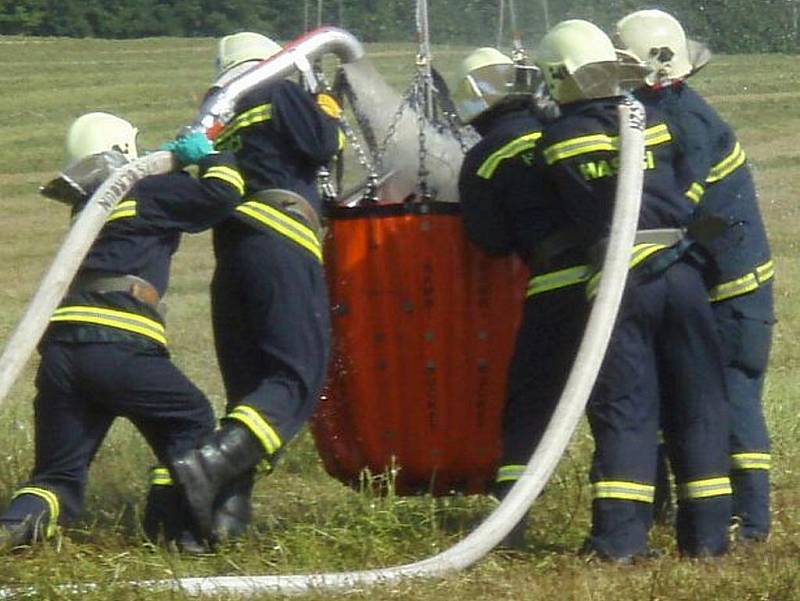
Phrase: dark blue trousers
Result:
[664,346]
[745,325]
[271,326]
[81,389]
[547,341]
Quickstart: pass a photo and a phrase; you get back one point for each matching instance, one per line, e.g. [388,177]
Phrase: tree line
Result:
[737,26]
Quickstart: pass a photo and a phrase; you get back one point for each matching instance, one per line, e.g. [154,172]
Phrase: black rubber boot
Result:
[17,533]
[167,521]
[515,539]
[233,510]
[202,473]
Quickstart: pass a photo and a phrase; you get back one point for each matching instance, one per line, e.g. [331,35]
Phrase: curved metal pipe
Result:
[218,108]
[547,454]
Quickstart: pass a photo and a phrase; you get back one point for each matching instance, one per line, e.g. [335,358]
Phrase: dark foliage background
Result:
[737,26]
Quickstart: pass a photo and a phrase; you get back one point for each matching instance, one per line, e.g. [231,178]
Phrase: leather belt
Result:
[137,287]
[293,205]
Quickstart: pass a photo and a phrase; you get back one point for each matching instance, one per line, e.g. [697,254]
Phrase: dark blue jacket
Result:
[140,237]
[721,166]
[500,190]
[579,153]
[281,138]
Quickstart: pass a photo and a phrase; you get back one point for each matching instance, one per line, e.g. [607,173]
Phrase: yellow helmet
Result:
[486,77]
[97,132]
[578,61]
[237,52]
[657,39]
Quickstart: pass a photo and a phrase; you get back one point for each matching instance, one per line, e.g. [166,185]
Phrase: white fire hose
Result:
[547,454]
[68,259]
[544,459]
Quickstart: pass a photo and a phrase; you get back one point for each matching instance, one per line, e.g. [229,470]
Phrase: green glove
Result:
[190,149]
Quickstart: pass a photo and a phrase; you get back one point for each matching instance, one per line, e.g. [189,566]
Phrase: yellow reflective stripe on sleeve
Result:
[510,150]
[265,433]
[639,254]
[727,165]
[253,116]
[510,473]
[293,229]
[623,490]
[228,175]
[53,506]
[695,192]
[653,136]
[126,208]
[160,476]
[747,283]
[112,318]
[577,146]
[751,461]
[704,489]
[558,279]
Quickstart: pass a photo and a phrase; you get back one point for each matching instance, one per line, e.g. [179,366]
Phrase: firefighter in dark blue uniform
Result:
[269,297]
[664,345]
[105,353]
[506,210]
[740,277]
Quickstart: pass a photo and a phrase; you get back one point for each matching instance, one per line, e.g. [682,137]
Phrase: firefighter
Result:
[506,210]
[269,298]
[740,277]
[105,353]
[664,343]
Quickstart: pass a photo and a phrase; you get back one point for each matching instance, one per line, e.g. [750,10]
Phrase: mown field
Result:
[307,522]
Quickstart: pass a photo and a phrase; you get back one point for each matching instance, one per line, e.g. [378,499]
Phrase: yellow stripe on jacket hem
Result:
[113,318]
[294,230]
[555,280]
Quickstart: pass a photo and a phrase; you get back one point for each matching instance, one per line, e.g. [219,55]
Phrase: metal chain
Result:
[391,131]
[422,86]
[355,144]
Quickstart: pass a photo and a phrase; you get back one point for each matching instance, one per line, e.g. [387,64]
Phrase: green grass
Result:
[306,521]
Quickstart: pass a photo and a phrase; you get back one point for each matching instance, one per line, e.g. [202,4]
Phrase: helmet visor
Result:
[483,88]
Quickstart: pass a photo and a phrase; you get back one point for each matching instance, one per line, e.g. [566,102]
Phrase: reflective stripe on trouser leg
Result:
[751,492]
[41,504]
[704,505]
[746,323]
[261,429]
[160,476]
[509,473]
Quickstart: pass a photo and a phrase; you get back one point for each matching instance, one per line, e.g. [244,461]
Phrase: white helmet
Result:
[97,132]
[239,52]
[578,61]
[486,77]
[658,39]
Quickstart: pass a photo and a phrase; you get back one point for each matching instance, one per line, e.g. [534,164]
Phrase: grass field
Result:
[306,522]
